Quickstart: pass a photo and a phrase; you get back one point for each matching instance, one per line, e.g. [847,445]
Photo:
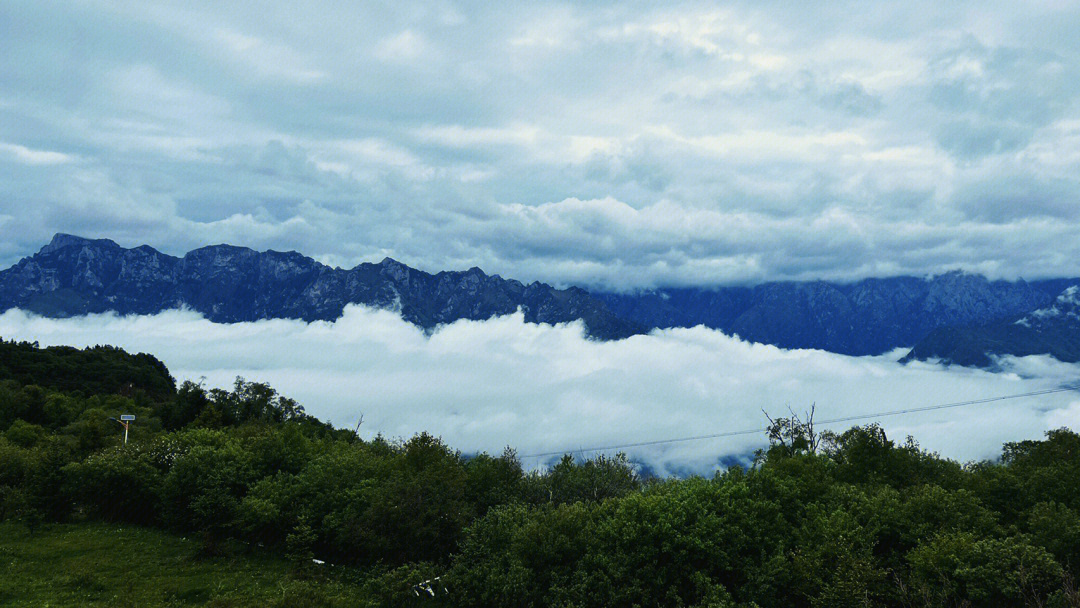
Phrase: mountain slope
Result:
[868,317]
[1053,330]
[73,276]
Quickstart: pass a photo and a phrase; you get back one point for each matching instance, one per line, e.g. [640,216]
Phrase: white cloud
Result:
[1068,417]
[457,136]
[722,34]
[268,59]
[763,145]
[485,385]
[142,91]
[28,156]
[371,151]
[403,46]
[555,28]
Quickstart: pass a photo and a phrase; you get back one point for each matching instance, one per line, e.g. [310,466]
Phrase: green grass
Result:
[97,564]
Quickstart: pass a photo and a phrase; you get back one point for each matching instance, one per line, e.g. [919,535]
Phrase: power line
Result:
[926,408]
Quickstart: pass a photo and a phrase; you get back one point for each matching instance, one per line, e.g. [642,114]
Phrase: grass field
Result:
[96,564]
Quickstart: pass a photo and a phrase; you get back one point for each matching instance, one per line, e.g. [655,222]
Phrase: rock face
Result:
[75,276]
[869,317]
[1053,330]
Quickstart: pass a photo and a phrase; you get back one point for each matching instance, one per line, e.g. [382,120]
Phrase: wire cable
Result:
[926,408]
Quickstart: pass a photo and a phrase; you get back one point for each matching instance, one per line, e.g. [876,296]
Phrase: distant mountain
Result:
[1053,330]
[867,317]
[956,314]
[74,276]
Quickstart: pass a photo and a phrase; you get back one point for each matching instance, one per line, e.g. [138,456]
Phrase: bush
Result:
[24,434]
[985,572]
[120,484]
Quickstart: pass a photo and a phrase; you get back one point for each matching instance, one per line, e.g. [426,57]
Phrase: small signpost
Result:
[125,421]
[429,586]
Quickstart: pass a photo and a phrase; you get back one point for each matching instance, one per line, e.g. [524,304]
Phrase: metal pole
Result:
[125,432]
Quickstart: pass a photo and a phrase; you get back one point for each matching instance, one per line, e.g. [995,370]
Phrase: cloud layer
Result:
[486,385]
[609,144]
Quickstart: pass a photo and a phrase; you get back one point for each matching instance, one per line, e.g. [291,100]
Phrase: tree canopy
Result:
[820,519]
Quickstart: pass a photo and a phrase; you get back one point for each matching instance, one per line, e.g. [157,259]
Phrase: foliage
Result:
[821,519]
[90,371]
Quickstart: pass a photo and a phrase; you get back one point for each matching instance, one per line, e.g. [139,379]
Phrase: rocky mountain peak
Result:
[394,269]
[1066,308]
[62,241]
[220,251]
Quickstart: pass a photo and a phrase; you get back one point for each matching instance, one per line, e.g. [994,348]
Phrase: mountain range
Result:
[867,317]
[75,276]
[954,317]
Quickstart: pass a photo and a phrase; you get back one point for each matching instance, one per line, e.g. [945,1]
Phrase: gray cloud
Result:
[486,385]
[999,97]
[615,145]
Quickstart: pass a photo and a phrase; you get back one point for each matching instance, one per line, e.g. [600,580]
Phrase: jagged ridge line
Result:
[926,408]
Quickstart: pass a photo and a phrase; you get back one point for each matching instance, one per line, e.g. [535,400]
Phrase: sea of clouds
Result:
[485,385]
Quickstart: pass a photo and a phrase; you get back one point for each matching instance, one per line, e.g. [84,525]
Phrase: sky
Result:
[486,385]
[610,145]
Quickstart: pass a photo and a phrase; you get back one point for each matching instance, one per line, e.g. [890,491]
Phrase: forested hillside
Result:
[849,519]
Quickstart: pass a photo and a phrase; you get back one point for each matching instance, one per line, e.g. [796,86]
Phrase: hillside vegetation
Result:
[108,565]
[225,498]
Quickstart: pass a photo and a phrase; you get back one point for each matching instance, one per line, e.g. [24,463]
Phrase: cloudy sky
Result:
[605,144]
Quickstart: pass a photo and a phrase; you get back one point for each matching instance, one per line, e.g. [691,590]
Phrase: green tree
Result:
[954,568]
